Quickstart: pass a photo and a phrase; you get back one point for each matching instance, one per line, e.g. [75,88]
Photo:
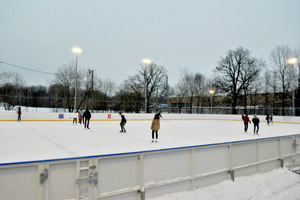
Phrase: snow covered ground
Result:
[280,184]
[39,140]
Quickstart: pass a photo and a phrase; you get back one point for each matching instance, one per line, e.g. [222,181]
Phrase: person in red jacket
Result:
[246,121]
[19,112]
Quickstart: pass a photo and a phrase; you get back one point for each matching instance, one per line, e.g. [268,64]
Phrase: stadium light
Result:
[76,51]
[211,92]
[292,61]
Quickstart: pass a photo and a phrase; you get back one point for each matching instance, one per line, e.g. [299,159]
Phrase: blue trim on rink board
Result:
[148,151]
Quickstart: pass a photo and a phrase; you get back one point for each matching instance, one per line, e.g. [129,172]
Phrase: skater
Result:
[75,118]
[155,126]
[19,112]
[271,118]
[246,121]
[81,116]
[123,122]
[87,117]
[268,119]
[255,121]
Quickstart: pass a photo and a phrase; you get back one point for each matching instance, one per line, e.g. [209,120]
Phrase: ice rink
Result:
[45,140]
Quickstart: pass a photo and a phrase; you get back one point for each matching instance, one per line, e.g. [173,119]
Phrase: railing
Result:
[145,174]
[287,111]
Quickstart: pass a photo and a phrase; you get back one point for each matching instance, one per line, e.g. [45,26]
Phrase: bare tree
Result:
[200,88]
[108,87]
[180,93]
[285,74]
[11,85]
[152,76]
[66,76]
[187,84]
[236,72]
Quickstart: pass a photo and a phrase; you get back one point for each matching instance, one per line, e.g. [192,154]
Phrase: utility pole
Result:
[167,87]
[92,72]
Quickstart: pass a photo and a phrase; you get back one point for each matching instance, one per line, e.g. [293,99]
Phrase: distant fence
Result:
[145,174]
[288,111]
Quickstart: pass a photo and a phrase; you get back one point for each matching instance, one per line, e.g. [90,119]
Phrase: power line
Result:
[26,68]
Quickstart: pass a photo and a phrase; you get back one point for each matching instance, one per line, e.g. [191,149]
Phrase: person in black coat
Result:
[87,116]
[268,119]
[255,121]
[19,112]
[123,122]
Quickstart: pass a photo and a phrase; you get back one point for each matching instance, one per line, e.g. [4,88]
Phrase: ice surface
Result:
[29,141]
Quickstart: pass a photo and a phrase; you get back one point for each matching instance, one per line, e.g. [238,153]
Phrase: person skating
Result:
[255,121]
[268,119]
[271,118]
[19,112]
[155,126]
[87,116]
[123,122]
[246,121]
[81,116]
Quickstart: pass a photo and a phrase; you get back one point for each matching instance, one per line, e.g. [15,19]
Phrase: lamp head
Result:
[292,61]
[146,61]
[76,50]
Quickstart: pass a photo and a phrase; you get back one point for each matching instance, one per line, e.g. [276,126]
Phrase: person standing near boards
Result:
[87,116]
[19,112]
[255,121]
[81,116]
[268,119]
[123,122]
[155,126]
[246,121]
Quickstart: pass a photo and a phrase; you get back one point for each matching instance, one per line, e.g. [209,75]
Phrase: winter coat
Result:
[246,119]
[87,114]
[155,124]
[123,119]
[255,120]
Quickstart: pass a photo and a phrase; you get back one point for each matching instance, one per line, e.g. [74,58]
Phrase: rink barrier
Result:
[145,174]
[104,120]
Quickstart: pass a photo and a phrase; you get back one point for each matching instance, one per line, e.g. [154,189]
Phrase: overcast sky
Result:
[116,34]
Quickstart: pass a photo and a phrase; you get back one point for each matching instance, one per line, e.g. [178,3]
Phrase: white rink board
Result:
[141,174]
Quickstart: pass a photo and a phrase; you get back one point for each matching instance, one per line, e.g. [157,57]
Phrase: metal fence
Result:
[145,174]
[288,111]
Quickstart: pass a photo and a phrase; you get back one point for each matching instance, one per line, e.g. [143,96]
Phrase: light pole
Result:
[293,61]
[211,92]
[146,62]
[76,51]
